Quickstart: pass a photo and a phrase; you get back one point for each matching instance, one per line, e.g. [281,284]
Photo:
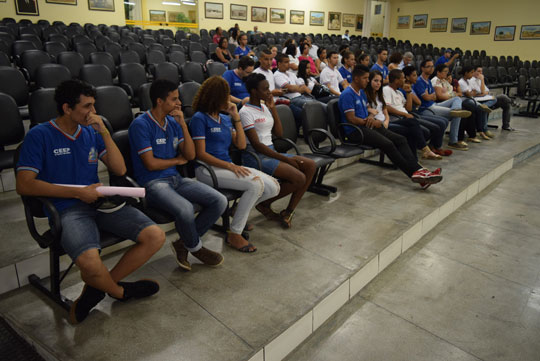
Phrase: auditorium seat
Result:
[198,57]
[72,60]
[96,75]
[12,131]
[51,75]
[115,50]
[85,49]
[42,106]
[112,102]
[53,48]
[167,71]
[31,60]
[105,59]
[131,76]
[177,57]
[192,72]
[215,68]
[13,83]
[4,59]
[187,92]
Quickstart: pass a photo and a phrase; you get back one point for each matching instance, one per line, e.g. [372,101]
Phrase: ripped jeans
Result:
[257,188]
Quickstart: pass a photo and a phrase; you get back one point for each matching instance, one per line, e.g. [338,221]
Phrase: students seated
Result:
[293,87]
[261,122]
[380,65]
[346,35]
[304,51]
[313,48]
[353,106]
[331,77]
[349,62]
[274,51]
[233,38]
[243,49]
[235,78]
[407,60]
[395,61]
[265,68]
[218,35]
[160,142]
[447,58]
[291,52]
[449,109]
[401,121]
[66,150]
[213,133]
[222,53]
[321,61]
[363,59]
[316,89]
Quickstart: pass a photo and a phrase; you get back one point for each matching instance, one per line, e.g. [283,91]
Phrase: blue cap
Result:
[448,50]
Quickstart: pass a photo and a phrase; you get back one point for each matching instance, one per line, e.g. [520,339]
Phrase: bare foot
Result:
[240,243]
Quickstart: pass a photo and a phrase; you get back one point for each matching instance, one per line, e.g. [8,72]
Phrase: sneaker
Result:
[437,171]
[181,255]
[443,152]
[489,134]
[484,136]
[460,113]
[485,108]
[208,257]
[423,175]
[139,289]
[82,306]
[424,185]
[458,146]
[462,142]
[508,128]
[474,140]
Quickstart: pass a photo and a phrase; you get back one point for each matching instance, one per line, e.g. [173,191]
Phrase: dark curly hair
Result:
[213,95]
[373,95]
[69,92]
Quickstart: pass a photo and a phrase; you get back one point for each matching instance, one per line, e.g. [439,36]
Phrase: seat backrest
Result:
[114,49]
[212,48]
[233,64]
[12,83]
[187,92]
[216,68]
[175,47]
[60,38]
[145,102]
[192,72]
[54,48]
[132,74]
[334,118]
[42,106]
[155,57]
[4,59]
[129,56]
[32,59]
[314,116]
[177,57]
[105,59]
[12,125]
[20,46]
[158,47]
[121,138]
[167,71]
[34,39]
[51,75]
[522,85]
[85,49]
[198,57]
[96,74]
[72,60]
[112,102]
[289,128]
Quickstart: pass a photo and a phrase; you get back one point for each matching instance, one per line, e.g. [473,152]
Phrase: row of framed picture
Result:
[30,7]
[278,16]
[459,25]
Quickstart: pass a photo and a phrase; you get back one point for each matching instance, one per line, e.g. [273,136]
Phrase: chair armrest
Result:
[255,156]
[127,88]
[356,129]
[210,171]
[26,74]
[107,124]
[43,240]
[290,142]
[314,148]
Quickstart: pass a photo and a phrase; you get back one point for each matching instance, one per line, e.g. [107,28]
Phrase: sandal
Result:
[286,218]
[431,155]
[268,213]
[249,248]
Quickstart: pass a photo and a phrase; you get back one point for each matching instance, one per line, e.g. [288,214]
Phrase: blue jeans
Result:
[443,109]
[176,195]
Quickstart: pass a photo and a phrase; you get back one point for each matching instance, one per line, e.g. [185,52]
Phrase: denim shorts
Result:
[269,165]
[81,225]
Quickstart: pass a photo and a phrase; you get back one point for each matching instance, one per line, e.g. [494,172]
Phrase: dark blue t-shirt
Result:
[237,85]
[62,158]
[420,88]
[146,134]
[351,101]
[217,133]
[441,60]
[383,69]
[239,51]
[347,75]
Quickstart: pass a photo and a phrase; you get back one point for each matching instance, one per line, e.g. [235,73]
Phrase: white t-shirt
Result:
[476,84]
[260,119]
[331,77]
[284,79]
[313,51]
[269,75]
[380,115]
[465,85]
[394,98]
[323,65]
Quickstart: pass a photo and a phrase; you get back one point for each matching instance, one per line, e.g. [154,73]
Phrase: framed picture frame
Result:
[316,18]
[3,1]
[158,15]
[334,20]
[404,22]
[359,22]
[529,32]
[420,21]
[504,33]
[438,25]
[259,14]
[27,8]
[61,2]
[480,27]
[277,16]
[459,25]
[101,5]
[348,20]
[213,10]
[239,12]
[297,17]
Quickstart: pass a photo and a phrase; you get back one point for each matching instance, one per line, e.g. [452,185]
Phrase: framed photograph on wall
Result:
[297,17]
[420,21]
[359,22]
[24,7]
[459,25]
[504,33]
[316,18]
[259,14]
[403,22]
[62,2]
[101,5]
[334,21]
[277,16]
[480,27]
[530,32]
[213,10]
[158,15]
[439,25]
[239,12]
[348,20]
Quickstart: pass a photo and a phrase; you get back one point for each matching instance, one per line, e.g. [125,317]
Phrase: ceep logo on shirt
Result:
[161,141]
[62,151]
[92,155]
[175,142]
[215,130]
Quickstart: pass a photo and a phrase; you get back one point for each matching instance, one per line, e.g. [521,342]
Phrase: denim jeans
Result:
[443,109]
[176,195]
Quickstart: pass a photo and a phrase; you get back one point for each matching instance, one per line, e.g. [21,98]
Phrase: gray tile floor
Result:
[470,289]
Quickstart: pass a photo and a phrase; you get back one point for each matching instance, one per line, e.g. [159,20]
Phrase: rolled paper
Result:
[137,192]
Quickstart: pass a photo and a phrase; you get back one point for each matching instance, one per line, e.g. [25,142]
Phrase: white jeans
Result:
[257,187]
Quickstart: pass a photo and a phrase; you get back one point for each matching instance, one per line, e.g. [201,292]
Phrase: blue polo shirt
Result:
[420,88]
[441,60]
[351,101]
[238,88]
[146,134]
[347,75]
[62,158]
[239,51]
[383,69]
[217,133]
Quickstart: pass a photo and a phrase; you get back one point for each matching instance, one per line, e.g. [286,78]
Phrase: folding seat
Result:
[179,36]
[60,38]
[4,59]
[47,32]
[145,102]
[233,64]
[19,47]
[175,48]
[114,49]
[31,60]
[198,57]
[114,36]
[187,93]
[13,83]
[140,49]
[42,106]
[215,68]
[194,37]
[101,41]
[158,47]
[192,71]
[96,75]
[12,130]
[112,102]
[53,48]
[85,49]
[167,71]
[130,77]
[80,39]
[105,59]
[533,72]
[129,56]
[51,75]
[34,39]
[195,46]
[72,60]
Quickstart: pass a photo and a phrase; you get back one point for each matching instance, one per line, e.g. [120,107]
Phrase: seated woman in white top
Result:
[321,92]
[261,121]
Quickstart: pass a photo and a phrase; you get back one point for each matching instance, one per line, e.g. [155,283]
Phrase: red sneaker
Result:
[443,152]
[423,175]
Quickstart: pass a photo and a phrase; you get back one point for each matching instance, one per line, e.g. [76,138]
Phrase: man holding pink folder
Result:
[66,150]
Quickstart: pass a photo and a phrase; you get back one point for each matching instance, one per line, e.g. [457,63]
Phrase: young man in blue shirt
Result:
[380,65]
[353,107]
[65,151]
[243,49]
[447,58]
[160,141]
[235,78]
